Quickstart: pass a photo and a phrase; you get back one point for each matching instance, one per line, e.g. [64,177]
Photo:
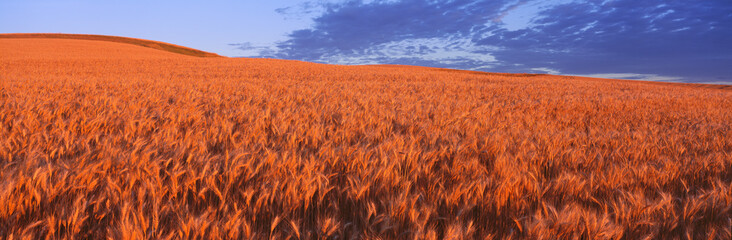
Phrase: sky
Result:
[659,40]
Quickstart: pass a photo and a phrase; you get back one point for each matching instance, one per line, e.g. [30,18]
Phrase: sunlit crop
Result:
[108,140]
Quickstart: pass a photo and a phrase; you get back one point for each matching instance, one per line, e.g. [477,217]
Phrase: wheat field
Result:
[110,140]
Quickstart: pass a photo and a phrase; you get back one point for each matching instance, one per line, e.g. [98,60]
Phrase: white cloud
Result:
[547,70]
[428,49]
[520,15]
[635,76]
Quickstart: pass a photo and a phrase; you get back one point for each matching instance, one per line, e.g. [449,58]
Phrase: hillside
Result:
[139,42]
[103,139]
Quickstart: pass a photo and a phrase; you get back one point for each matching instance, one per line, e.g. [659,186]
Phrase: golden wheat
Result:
[106,140]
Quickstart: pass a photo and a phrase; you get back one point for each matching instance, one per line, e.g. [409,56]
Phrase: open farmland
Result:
[102,140]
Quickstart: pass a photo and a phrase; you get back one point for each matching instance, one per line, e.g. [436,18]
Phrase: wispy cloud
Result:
[509,9]
[249,49]
[635,76]
[652,39]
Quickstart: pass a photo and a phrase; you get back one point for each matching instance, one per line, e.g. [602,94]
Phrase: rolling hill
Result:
[134,41]
[107,137]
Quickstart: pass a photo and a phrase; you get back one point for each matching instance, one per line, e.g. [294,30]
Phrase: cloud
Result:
[244,46]
[435,52]
[303,9]
[678,38]
[635,76]
[355,26]
[655,39]
[252,50]
[509,9]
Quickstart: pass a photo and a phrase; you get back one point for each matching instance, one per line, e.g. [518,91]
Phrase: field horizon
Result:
[168,47]
[122,138]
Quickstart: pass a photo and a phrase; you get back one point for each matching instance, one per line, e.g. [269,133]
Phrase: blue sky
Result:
[664,40]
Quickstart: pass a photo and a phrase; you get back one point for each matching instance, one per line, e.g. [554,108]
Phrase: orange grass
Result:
[107,140]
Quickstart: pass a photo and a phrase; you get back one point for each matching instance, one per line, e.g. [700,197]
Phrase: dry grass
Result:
[139,143]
